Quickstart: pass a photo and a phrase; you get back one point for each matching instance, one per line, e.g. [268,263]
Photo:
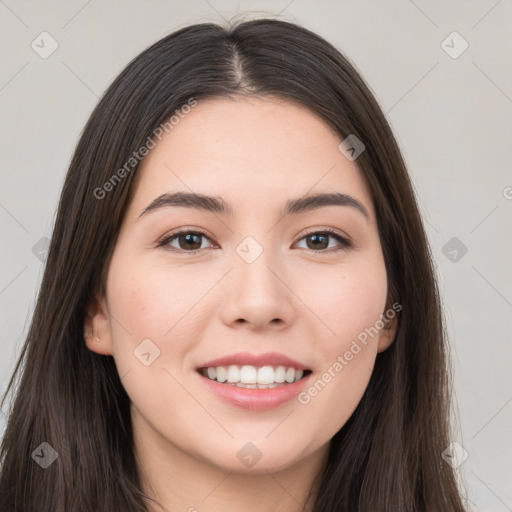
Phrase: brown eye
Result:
[191,241]
[319,241]
[187,241]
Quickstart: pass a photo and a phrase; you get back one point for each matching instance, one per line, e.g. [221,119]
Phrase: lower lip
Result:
[255,399]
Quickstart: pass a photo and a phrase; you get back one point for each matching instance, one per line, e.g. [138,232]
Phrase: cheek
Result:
[155,303]
[154,314]
[336,390]
[161,312]
[347,301]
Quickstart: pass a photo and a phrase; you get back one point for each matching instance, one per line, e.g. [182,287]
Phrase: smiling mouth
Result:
[254,377]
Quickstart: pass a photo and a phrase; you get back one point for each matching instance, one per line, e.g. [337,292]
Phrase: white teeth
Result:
[222,374]
[254,386]
[290,375]
[266,375]
[249,376]
[280,374]
[233,374]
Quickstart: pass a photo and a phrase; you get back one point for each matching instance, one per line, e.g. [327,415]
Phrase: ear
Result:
[388,332]
[97,331]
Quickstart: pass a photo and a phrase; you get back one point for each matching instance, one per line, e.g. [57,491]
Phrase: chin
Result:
[258,458]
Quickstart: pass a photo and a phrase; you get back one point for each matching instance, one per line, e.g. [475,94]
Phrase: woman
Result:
[239,307]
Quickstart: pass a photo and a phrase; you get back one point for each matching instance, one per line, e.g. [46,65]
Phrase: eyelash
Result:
[345,242]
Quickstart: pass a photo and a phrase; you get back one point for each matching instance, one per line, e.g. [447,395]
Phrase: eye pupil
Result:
[189,238]
[316,238]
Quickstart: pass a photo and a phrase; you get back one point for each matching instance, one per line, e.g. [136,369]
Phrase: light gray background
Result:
[451,117]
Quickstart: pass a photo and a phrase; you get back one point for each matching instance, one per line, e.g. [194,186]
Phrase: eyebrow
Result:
[219,206]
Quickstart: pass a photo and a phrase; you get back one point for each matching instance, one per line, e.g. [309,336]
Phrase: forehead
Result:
[247,148]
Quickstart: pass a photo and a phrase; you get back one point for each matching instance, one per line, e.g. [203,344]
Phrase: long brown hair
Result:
[387,457]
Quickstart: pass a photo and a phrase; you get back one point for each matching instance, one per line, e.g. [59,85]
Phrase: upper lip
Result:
[247,358]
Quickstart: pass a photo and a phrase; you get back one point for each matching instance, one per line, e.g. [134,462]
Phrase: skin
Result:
[194,310]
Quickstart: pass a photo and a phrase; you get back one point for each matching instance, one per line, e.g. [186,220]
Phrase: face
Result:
[255,294]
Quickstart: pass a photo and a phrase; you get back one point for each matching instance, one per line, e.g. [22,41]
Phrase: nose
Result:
[258,295]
